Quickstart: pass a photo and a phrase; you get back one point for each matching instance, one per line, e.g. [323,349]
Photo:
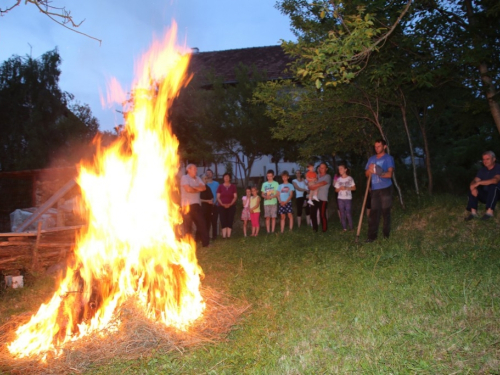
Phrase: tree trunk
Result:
[410,143]
[490,93]
[422,123]
[239,167]
[489,88]
[394,174]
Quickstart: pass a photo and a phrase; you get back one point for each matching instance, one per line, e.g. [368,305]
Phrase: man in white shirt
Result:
[191,186]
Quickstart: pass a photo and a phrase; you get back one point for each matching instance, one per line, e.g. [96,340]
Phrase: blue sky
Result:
[126,28]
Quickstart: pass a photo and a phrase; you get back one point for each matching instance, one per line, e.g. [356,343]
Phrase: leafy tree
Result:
[336,38]
[187,116]
[224,122]
[36,124]
[367,67]
[465,35]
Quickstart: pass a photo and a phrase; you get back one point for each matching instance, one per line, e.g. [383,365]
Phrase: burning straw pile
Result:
[130,335]
[130,249]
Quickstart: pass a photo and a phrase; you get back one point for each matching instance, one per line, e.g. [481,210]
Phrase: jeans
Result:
[345,212]
[488,194]
[381,203]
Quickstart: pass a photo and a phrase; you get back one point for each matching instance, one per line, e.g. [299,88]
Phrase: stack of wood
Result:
[34,251]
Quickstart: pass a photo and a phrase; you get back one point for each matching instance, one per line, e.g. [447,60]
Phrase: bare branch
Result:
[59,15]
[9,9]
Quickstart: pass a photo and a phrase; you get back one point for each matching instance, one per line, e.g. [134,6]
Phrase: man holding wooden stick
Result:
[380,167]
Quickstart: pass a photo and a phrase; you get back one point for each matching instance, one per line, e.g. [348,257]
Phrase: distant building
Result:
[270,59]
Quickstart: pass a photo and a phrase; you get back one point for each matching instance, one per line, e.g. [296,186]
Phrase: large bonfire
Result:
[129,250]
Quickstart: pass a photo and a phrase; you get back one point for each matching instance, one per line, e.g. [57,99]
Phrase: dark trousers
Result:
[215,219]
[210,215]
[321,206]
[227,216]
[488,194]
[300,206]
[381,204]
[195,216]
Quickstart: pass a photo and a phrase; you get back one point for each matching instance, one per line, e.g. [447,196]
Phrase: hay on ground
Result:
[137,337]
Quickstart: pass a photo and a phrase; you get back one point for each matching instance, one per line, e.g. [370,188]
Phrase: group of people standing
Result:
[205,206]
[204,201]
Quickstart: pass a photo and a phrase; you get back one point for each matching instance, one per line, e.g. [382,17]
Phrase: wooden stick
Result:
[44,207]
[34,263]
[363,207]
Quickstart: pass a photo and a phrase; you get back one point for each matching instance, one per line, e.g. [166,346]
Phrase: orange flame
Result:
[129,249]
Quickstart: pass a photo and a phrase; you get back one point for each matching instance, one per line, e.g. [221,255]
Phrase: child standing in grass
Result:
[285,194]
[269,193]
[245,213]
[255,211]
[344,186]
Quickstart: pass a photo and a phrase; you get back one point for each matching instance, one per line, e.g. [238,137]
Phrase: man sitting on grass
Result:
[485,187]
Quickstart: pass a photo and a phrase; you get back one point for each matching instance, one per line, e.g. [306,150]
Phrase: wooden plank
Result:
[43,245]
[33,234]
[11,259]
[15,243]
[44,207]
[24,234]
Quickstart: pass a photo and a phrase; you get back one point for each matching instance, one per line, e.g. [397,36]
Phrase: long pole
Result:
[363,207]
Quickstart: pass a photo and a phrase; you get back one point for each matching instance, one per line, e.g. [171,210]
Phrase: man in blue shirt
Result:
[485,187]
[212,222]
[381,167]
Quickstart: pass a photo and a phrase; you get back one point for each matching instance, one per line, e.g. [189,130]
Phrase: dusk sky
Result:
[126,29]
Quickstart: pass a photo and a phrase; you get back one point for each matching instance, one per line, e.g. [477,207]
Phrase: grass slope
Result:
[424,301]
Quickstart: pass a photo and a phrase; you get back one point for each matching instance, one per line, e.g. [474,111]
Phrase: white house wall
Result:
[259,168]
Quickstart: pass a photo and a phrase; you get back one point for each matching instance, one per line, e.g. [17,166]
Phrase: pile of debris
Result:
[41,236]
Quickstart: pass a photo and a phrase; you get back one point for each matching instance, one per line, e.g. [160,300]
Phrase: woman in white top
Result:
[344,186]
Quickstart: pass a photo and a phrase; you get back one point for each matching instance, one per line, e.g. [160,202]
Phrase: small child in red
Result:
[312,178]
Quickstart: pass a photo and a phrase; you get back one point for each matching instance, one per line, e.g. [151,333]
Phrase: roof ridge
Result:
[234,49]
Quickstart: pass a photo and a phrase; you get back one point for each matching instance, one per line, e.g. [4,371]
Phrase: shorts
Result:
[286,209]
[270,210]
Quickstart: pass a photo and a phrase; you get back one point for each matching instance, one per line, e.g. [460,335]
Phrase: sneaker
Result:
[316,199]
[486,217]
[471,217]
[310,202]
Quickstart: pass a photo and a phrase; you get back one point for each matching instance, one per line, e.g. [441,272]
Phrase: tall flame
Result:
[130,248]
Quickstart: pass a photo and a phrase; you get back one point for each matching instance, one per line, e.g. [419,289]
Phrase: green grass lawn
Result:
[425,301]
